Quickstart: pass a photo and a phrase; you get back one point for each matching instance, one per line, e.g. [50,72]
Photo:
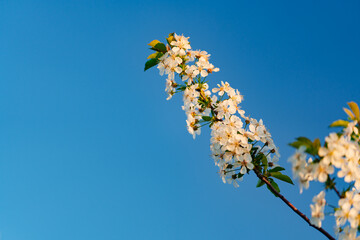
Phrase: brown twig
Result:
[303,216]
[337,191]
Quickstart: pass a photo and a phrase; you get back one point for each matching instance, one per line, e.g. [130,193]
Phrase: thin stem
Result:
[303,216]
[233,170]
[332,185]
[337,191]
[262,147]
[205,124]
[329,214]
[202,94]
[332,206]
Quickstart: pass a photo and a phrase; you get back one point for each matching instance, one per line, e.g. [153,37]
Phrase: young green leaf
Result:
[152,62]
[339,123]
[276,169]
[206,118]
[181,88]
[264,160]
[304,140]
[155,55]
[317,144]
[355,109]
[282,177]
[260,183]
[311,147]
[349,113]
[170,38]
[274,185]
[153,43]
[160,47]
[301,141]
[297,144]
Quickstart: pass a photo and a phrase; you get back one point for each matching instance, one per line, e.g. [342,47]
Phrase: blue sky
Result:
[90,148]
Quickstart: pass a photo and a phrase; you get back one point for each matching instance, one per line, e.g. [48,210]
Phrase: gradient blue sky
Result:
[90,148]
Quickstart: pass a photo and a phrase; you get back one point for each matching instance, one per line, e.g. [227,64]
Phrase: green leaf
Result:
[317,144]
[155,55]
[311,147]
[301,141]
[276,169]
[355,109]
[160,47]
[260,183]
[349,113]
[275,186]
[296,144]
[239,175]
[206,118]
[339,123]
[170,38]
[305,140]
[282,177]
[181,88]
[264,161]
[153,43]
[151,63]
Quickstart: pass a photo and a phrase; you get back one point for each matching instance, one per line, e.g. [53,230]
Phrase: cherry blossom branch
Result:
[303,216]
[234,144]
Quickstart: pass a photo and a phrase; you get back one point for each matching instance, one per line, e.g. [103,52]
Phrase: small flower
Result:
[322,170]
[223,88]
[317,215]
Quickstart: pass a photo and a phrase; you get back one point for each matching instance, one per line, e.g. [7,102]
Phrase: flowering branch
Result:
[239,143]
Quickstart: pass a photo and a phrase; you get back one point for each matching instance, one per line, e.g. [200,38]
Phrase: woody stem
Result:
[290,205]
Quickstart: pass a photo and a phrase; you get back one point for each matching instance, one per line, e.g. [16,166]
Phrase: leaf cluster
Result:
[160,49]
[262,164]
[311,147]
[353,114]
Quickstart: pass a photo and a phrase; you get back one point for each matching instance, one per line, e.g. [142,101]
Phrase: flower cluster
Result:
[308,170]
[241,144]
[349,208]
[238,143]
[337,160]
[317,209]
[232,141]
[176,60]
[344,154]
